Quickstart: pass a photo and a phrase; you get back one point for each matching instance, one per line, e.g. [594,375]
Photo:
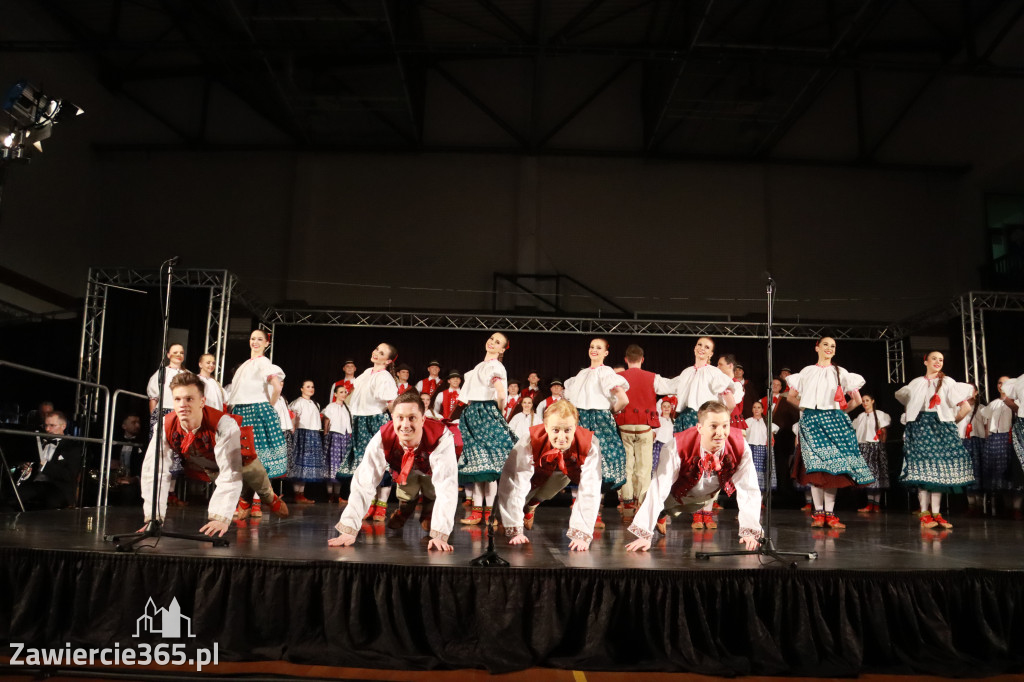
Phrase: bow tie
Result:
[710,463]
[553,459]
[408,458]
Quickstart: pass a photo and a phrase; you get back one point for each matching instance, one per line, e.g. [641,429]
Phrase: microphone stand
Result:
[767,547]
[154,528]
[490,558]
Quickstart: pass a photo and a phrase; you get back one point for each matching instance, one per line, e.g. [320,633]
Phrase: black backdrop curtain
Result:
[778,622]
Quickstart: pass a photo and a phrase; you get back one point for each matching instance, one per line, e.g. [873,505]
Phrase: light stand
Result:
[490,558]
[767,547]
[154,529]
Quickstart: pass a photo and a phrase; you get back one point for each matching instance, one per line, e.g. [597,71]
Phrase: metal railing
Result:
[79,382]
[107,457]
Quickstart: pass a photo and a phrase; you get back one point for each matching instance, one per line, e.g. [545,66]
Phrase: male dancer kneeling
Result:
[548,458]
[209,442]
[707,458]
[421,455]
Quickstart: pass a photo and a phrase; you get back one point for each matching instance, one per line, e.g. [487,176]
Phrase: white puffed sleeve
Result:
[497,372]
[720,382]
[903,395]
[959,392]
[271,371]
[851,381]
[611,380]
[883,419]
[793,381]
[384,387]
[153,387]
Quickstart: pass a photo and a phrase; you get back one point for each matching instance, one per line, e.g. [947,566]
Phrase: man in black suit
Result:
[50,482]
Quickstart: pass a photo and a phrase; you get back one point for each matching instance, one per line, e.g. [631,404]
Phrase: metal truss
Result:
[572,325]
[970,308]
[90,354]
[223,286]
[895,363]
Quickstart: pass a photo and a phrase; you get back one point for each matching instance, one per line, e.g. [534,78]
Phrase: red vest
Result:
[430,385]
[393,450]
[205,440]
[688,449]
[531,392]
[547,460]
[510,404]
[449,399]
[643,401]
[402,388]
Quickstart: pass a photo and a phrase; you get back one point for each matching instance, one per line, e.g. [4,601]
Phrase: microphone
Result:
[173,260]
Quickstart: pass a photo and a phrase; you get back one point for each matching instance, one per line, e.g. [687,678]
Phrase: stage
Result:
[882,596]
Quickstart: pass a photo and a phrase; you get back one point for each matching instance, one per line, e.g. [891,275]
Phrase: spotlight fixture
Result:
[31,117]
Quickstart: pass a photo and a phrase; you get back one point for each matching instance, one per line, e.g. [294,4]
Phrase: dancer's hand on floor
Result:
[519,540]
[639,545]
[217,528]
[439,544]
[579,545]
[749,542]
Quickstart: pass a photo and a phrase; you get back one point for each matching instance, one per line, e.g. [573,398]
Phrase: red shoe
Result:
[369,512]
[528,520]
[662,526]
[698,521]
[475,518]
[927,521]
[278,508]
[172,500]
[467,502]
[867,509]
[257,510]
[715,506]
[937,518]
[242,510]
[832,521]
[627,510]
[876,508]
[709,521]
[599,524]
[300,498]
[807,507]
[818,519]
[380,513]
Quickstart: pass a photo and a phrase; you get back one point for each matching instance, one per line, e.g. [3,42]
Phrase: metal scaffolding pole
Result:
[90,353]
[895,361]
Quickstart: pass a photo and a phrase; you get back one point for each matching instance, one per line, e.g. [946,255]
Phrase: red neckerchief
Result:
[402,460]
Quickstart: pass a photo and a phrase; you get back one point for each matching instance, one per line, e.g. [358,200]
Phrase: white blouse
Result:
[281,407]
[998,417]
[372,392]
[663,434]
[341,419]
[153,387]
[916,395]
[757,432]
[251,383]
[591,389]
[864,425]
[977,420]
[307,413]
[514,487]
[213,393]
[521,423]
[694,387]
[1014,390]
[817,386]
[478,383]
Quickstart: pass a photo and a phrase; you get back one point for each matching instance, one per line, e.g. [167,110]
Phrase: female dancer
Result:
[554,454]
[998,449]
[871,425]
[212,391]
[597,392]
[973,430]
[1014,390]
[829,455]
[523,418]
[662,434]
[700,383]
[934,457]
[757,439]
[307,459]
[255,388]
[337,440]
[374,391]
[486,437]
[175,358]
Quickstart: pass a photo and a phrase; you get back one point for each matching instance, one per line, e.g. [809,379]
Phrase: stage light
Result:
[32,114]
